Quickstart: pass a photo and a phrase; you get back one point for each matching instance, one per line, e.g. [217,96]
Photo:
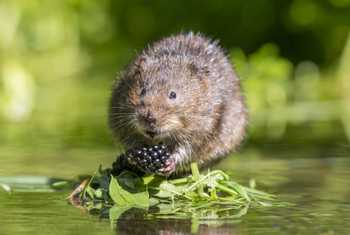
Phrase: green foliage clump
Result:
[201,196]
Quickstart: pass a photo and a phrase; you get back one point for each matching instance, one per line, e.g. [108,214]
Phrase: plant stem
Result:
[179,181]
[196,177]
[203,178]
[226,189]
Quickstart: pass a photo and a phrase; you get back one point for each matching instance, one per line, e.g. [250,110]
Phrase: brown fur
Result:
[208,118]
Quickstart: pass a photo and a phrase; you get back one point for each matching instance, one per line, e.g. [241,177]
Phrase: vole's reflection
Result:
[133,222]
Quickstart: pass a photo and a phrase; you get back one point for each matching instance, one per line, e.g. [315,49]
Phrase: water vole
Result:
[181,91]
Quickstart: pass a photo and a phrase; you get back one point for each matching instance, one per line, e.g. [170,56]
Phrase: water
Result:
[318,188]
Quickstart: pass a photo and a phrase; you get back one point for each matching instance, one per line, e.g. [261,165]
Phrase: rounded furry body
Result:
[181,91]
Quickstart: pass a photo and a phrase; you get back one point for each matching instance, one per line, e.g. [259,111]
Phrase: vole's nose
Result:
[149,119]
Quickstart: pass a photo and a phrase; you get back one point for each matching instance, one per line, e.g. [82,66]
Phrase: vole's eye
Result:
[143,92]
[172,95]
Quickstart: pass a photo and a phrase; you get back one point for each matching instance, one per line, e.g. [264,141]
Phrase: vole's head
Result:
[168,96]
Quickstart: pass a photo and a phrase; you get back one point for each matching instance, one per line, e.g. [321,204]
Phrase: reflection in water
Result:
[132,222]
[173,227]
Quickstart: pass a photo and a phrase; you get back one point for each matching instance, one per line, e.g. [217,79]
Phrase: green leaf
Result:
[148,179]
[90,191]
[123,198]
[99,193]
[131,182]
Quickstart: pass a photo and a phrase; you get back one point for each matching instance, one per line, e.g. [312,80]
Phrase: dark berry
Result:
[149,159]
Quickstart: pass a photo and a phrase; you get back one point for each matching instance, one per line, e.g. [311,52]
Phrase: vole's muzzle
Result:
[148,121]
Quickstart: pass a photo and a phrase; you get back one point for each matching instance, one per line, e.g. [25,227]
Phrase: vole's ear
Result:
[139,64]
[197,70]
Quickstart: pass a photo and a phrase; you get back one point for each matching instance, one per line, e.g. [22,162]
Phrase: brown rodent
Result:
[181,91]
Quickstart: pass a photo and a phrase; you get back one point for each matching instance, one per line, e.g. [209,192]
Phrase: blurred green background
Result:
[58,60]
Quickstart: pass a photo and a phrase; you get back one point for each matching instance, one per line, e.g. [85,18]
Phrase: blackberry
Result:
[149,159]
[143,160]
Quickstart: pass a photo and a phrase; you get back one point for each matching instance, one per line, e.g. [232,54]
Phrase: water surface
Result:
[318,188]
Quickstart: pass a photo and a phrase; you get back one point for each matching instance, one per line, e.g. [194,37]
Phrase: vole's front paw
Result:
[169,167]
[155,159]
